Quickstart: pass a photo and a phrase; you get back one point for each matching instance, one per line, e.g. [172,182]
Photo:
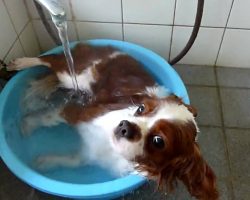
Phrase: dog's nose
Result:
[124,129]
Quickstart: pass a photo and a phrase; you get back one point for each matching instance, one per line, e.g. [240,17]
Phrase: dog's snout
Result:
[124,129]
[128,130]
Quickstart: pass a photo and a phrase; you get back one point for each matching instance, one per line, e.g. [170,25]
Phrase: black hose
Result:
[50,30]
[194,34]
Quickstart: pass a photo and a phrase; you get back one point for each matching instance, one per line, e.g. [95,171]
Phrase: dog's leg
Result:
[41,118]
[52,161]
[56,62]
[39,92]
[23,63]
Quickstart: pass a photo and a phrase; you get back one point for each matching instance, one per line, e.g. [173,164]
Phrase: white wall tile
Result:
[15,52]
[149,11]
[97,10]
[205,48]
[7,32]
[34,14]
[18,13]
[154,37]
[91,30]
[29,41]
[45,40]
[235,49]
[240,15]
[215,12]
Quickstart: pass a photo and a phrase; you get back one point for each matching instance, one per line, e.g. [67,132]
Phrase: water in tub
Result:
[57,140]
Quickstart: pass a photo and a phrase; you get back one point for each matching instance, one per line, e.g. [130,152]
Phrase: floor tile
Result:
[225,192]
[233,77]
[22,190]
[205,100]
[196,75]
[241,190]
[213,149]
[149,192]
[236,107]
[239,150]
[2,83]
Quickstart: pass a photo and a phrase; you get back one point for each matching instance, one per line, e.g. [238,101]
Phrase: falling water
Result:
[61,25]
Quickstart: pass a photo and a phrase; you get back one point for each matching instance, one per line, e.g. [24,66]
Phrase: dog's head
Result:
[160,138]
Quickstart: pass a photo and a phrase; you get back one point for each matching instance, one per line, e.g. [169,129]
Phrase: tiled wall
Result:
[17,36]
[161,25]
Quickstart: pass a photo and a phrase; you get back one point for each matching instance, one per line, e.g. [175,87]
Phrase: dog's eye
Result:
[158,141]
[140,109]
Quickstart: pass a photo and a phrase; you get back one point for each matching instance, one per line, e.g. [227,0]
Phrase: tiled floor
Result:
[222,96]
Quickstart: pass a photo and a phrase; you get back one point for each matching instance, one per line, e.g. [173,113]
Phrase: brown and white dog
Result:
[127,123]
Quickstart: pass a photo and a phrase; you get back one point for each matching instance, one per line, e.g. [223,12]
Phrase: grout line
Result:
[209,126]
[17,38]
[224,133]
[21,34]
[27,9]
[36,35]
[31,20]
[13,25]
[234,87]
[138,23]
[245,29]
[223,34]
[209,66]
[172,32]
[237,128]
[226,127]
[12,45]
[214,86]
[123,38]
[194,85]
[74,20]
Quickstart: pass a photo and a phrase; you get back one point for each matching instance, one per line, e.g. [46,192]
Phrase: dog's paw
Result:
[22,63]
[17,64]
[44,163]
[27,126]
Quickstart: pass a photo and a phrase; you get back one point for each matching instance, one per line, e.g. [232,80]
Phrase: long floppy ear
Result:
[195,173]
[192,109]
[200,178]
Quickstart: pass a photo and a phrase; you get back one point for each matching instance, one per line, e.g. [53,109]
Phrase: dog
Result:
[128,123]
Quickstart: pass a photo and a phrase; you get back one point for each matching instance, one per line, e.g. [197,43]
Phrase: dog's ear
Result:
[179,100]
[192,109]
[194,172]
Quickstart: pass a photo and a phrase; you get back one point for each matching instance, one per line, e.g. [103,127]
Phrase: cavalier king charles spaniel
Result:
[127,122]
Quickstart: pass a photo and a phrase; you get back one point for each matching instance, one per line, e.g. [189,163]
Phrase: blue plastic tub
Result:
[88,182]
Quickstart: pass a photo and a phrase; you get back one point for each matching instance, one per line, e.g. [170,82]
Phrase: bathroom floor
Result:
[222,97]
